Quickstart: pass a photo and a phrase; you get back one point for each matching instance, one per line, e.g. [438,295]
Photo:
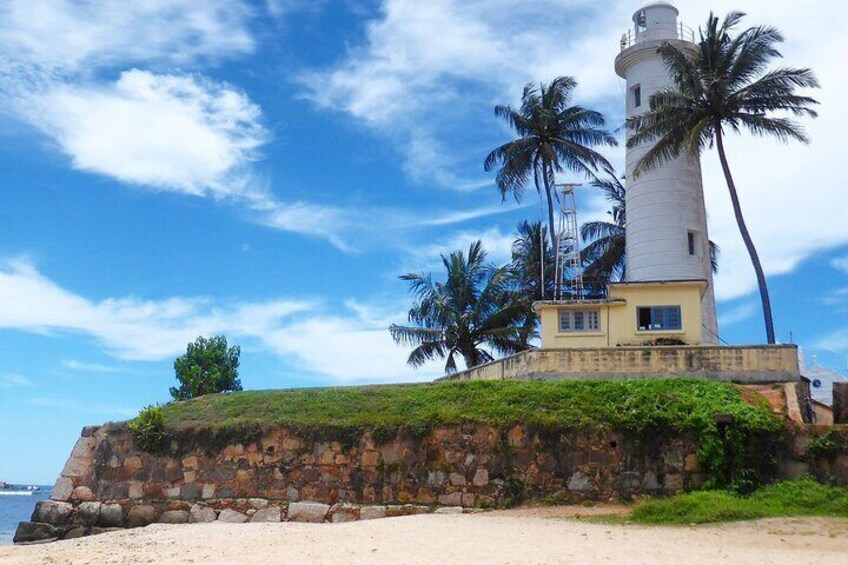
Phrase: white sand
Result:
[525,536]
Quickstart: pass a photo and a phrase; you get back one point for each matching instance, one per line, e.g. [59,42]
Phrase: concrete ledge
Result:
[743,364]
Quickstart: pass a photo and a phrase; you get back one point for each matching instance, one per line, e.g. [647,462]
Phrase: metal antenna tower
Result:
[569,268]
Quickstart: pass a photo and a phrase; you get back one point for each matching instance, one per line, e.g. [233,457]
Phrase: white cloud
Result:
[455,60]
[170,132]
[496,243]
[78,36]
[350,344]
[75,365]
[402,76]
[737,314]
[15,381]
[129,328]
[840,264]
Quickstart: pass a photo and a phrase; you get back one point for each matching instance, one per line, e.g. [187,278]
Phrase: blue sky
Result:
[266,170]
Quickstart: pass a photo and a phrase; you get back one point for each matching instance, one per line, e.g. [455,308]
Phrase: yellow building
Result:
[634,313]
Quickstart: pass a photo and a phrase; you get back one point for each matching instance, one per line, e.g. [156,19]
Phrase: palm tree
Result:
[604,254]
[474,308]
[604,257]
[724,86]
[532,264]
[552,137]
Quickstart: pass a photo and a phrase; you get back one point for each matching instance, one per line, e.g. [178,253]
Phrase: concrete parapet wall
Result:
[744,364]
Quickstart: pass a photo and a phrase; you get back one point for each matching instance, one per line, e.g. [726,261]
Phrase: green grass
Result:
[675,404]
[803,497]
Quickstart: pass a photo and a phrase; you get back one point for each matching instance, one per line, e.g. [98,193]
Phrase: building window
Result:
[637,96]
[653,318]
[579,321]
[693,249]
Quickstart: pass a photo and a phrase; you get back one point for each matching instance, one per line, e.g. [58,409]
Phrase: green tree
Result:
[553,137]
[207,367]
[725,86]
[531,255]
[474,310]
[604,257]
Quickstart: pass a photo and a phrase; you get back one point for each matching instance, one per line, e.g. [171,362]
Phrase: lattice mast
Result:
[569,268]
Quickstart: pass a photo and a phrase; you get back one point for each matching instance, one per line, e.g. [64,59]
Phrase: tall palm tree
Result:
[532,264]
[725,86]
[474,309]
[553,136]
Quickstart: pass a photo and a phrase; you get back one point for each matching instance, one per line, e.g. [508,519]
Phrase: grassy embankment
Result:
[675,404]
[804,497]
[633,406]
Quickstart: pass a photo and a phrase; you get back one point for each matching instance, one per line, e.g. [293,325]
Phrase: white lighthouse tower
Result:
[666,218]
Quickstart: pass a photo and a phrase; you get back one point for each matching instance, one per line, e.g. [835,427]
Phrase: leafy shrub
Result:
[207,367]
[148,429]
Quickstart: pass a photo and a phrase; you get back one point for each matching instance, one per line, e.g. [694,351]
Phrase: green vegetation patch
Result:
[674,404]
[803,497]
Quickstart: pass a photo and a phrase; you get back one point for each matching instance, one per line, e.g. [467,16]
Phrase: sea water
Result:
[17,508]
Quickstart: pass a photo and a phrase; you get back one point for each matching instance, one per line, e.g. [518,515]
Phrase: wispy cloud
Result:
[15,381]
[349,344]
[737,314]
[82,366]
[840,264]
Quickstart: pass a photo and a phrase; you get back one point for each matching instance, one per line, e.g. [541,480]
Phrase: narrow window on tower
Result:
[693,249]
[637,96]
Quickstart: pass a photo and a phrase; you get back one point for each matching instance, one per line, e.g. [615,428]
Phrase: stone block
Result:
[135,489]
[372,512]
[456,479]
[258,503]
[481,478]
[468,499]
[140,515]
[268,514]
[190,491]
[77,467]
[88,431]
[174,517]
[448,510]
[436,478]
[111,516]
[87,514]
[314,512]
[82,493]
[62,489]
[691,464]
[673,483]
[84,448]
[172,492]
[52,512]
[344,513]
[580,482]
[649,482]
[230,516]
[200,514]
[33,532]
[76,532]
[452,499]
[208,490]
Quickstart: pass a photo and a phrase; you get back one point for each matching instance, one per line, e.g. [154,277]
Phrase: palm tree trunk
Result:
[746,237]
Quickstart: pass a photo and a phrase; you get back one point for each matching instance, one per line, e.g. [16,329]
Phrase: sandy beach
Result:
[522,536]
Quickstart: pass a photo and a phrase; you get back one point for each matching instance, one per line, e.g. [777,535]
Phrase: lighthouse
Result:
[666,236]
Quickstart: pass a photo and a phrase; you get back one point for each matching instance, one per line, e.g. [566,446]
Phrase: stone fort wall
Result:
[287,474]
